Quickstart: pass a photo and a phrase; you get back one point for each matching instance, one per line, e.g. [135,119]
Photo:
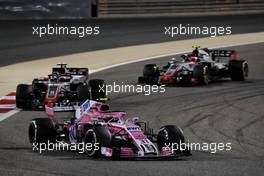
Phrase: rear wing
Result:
[232,54]
[71,71]
[84,107]
[50,109]
[78,71]
[53,110]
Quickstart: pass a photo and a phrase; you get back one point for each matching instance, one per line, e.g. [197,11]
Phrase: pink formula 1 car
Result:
[109,134]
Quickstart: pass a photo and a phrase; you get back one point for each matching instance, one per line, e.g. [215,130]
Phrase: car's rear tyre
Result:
[23,96]
[141,80]
[97,137]
[83,93]
[201,73]
[97,89]
[170,135]
[151,74]
[42,130]
[238,70]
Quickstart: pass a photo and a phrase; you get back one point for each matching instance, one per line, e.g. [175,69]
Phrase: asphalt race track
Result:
[224,111]
[19,45]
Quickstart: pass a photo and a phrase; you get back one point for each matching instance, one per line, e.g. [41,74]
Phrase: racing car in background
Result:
[64,89]
[198,68]
[116,135]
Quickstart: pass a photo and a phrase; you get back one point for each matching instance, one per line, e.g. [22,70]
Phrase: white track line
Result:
[7,106]
[11,113]
[8,98]
[166,55]
[8,114]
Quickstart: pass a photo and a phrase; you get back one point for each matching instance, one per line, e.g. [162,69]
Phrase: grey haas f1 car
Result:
[64,89]
[198,68]
[108,134]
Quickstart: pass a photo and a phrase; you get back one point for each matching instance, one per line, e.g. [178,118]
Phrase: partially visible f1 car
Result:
[64,89]
[198,68]
[109,134]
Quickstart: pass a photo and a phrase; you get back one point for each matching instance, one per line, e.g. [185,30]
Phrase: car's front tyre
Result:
[201,73]
[95,138]
[42,130]
[171,135]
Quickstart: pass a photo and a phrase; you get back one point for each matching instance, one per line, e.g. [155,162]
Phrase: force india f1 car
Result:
[117,136]
[64,89]
[198,68]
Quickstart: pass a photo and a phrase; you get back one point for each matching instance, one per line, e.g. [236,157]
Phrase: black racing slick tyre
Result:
[150,69]
[171,135]
[42,130]
[23,96]
[201,72]
[95,138]
[151,74]
[83,93]
[141,80]
[97,89]
[238,70]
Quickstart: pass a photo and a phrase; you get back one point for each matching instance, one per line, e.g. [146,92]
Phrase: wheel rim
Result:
[245,70]
[91,139]
[206,77]
[164,137]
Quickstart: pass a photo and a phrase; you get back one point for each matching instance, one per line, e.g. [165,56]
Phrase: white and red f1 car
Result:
[198,68]
[64,89]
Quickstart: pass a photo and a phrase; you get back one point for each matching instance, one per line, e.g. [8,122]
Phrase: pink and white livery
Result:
[110,133]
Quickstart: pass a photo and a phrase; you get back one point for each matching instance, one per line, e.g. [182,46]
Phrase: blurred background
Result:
[72,9]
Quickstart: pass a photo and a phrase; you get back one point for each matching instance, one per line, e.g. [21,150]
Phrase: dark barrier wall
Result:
[108,8]
[54,9]
[48,9]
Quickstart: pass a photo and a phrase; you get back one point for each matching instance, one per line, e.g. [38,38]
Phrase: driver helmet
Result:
[172,61]
[54,78]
